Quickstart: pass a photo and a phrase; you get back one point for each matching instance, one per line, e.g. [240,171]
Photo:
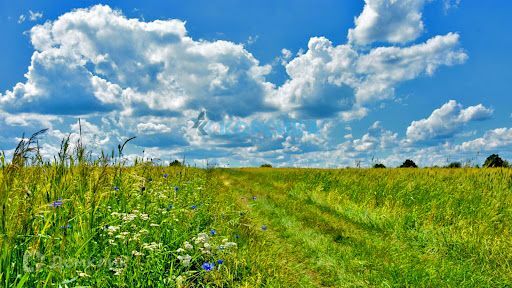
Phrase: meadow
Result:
[77,222]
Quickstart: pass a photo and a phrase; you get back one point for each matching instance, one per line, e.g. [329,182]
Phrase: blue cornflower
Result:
[193,207]
[213,232]
[264,227]
[57,203]
[176,188]
[116,188]
[237,236]
[220,261]
[207,266]
[166,175]
[67,226]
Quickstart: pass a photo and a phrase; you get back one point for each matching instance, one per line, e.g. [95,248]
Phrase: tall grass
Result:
[97,222]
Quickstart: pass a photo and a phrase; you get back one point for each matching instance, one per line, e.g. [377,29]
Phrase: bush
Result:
[266,166]
[454,165]
[379,165]
[176,163]
[408,164]
[494,160]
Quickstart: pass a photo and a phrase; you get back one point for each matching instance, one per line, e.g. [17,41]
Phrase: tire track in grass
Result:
[360,257]
[269,255]
[317,245]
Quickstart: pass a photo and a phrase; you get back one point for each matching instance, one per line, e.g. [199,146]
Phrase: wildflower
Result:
[253,197]
[83,274]
[112,229]
[144,217]
[201,238]
[185,260]
[116,188]
[264,227]
[213,232]
[193,207]
[166,175]
[57,203]
[176,188]
[67,226]
[207,246]
[152,246]
[207,266]
[188,246]
[220,261]
[230,244]
[180,250]
[129,217]
[154,225]
[137,253]
[117,271]
[112,242]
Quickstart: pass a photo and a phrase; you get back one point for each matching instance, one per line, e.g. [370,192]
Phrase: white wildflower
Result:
[185,260]
[187,245]
[137,253]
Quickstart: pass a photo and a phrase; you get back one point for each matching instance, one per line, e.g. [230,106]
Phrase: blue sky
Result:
[292,83]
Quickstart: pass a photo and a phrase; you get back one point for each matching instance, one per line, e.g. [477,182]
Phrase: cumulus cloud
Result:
[96,59]
[445,121]
[492,139]
[327,79]
[130,77]
[389,21]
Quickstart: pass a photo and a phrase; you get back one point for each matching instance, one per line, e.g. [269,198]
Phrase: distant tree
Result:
[266,166]
[175,163]
[495,160]
[379,165]
[408,164]
[454,165]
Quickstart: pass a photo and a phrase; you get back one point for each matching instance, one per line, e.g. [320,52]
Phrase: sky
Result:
[292,83]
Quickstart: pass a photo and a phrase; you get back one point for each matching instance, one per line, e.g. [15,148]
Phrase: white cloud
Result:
[32,16]
[393,21]
[110,62]
[152,128]
[445,121]
[492,139]
[328,79]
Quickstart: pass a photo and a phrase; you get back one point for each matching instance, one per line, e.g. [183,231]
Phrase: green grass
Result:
[325,228]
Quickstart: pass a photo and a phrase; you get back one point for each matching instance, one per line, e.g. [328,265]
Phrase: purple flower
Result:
[193,207]
[207,266]
[213,232]
[220,261]
[116,188]
[264,227]
[166,175]
[57,203]
[67,226]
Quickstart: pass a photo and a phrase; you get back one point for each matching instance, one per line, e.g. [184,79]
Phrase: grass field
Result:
[99,225]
